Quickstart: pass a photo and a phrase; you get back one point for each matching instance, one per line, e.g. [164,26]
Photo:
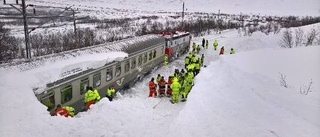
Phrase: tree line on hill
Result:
[109,30]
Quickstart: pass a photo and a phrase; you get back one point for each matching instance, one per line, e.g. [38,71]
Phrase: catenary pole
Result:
[75,30]
[26,32]
[183,15]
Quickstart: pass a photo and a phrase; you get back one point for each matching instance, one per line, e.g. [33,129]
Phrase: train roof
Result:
[175,35]
[127,45]
[142,43]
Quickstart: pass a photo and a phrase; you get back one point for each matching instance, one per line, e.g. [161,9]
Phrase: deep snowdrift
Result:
[240,95]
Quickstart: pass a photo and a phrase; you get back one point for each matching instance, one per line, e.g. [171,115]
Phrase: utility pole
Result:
[183,15]
[219,22]
[22,10]
[200,21]
[75,30]
[26,32]
[241,20]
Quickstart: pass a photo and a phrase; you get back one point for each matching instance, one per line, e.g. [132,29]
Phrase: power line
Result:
[25,22]
[51,18]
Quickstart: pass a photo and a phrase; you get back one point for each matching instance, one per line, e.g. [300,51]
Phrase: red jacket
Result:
[61,112]
[152,86]
[169,81]
[221,51]
[162,83]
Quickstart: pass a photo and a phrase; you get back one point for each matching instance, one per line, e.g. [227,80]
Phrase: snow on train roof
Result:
[174,35]
[51,68]
[64,69]
[143,43]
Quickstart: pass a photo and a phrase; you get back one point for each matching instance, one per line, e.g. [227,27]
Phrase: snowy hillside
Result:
[235,95]
[123,7]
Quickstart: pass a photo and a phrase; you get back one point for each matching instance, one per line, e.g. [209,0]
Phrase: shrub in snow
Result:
[9,46]
[298,37]
[311,37]
[283,80]
[306,89]
[287,39]
[318,40]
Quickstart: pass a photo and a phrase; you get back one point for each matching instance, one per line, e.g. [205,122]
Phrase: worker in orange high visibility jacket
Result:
[221,51]
[61,111]
[169,90]
[162,87]
[152,88]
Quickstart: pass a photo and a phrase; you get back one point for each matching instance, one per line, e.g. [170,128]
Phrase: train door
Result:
[168,48]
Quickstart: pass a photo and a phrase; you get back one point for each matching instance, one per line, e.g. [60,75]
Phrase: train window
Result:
[140,60]
[145,59]
[171,42]
[154,53]
[66,94]
[84,83]
[48,100]
[175,42]
[150,55]
[133,63]
[184,39]
[126,67]
[96,80]
[118,70]
[109,74]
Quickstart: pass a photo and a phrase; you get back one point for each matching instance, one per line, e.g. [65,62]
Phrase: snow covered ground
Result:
[235,95]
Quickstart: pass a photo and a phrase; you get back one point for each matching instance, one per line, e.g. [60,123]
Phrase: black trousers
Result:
[109,97]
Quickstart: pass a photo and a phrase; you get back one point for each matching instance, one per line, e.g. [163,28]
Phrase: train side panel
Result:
[122,75]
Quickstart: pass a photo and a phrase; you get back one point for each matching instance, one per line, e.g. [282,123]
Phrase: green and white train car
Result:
[144,54]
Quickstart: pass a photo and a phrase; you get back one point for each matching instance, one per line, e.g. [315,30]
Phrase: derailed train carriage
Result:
[143,56]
